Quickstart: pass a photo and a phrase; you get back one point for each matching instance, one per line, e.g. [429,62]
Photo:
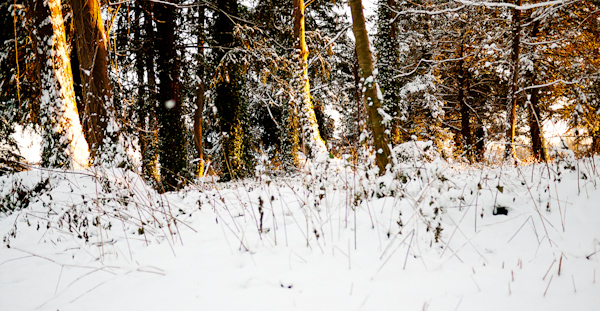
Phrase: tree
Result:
[372,94]
[538,144]
[96,115]
[307,118]
[171,137]
[64,144]
[197,131]
[512,93]
[229,102]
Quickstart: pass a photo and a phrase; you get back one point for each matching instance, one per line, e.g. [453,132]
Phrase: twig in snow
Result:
[552,264]
[546,291]
[560,264]
[520,229]
[409,244]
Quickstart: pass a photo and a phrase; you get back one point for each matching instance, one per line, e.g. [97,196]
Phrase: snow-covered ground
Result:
[329,238]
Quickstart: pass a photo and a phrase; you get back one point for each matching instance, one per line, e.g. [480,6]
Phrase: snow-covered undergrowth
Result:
[426,236]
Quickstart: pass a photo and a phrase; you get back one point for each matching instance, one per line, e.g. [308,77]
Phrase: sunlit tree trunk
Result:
[96,94]
[371,94]
[63,142]
[309,128]
[510,150]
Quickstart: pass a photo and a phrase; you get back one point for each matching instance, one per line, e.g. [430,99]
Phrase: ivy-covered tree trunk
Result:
[96,95]
[311,137]
[389,63]
[63,142]
[171,138]
[232,109]
[372,93]
[510,150]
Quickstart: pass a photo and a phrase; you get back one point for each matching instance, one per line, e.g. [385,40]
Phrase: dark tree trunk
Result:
[467,139]
[229,103]
[538,144]
[199,94]
[480,144]
[510,150]
[170,133]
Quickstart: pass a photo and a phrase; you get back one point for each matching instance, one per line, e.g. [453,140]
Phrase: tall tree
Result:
[147,94]
[169,113]
[231,106]
[512,97]
[372,95]
[96,96]
[538,144]
[198,132]
[309,128]
[63,142]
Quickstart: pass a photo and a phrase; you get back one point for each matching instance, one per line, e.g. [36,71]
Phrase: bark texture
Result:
[96,96]
[170,133]
[63,142]
[538,145]
[510,150]
[232,108]
[371,94]
[465,110]
[309,127]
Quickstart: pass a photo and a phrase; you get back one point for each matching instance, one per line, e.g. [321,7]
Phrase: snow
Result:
[29,143]
[329,238]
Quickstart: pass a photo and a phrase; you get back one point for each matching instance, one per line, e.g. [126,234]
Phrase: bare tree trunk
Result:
[510,150]
[64,143]
[308,120]
[93,67]
[372,93]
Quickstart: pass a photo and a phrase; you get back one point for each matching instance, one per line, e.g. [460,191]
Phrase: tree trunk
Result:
[311,137]
[148,129]
[371,94]
[538,145]
[231,106]
[93,68]
[63,141]
[595,147]
[467,139]
[510,150]
[170,133]
[480,144]
[199,94]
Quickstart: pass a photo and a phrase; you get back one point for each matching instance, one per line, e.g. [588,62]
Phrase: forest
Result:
[167,88]
[303,154]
